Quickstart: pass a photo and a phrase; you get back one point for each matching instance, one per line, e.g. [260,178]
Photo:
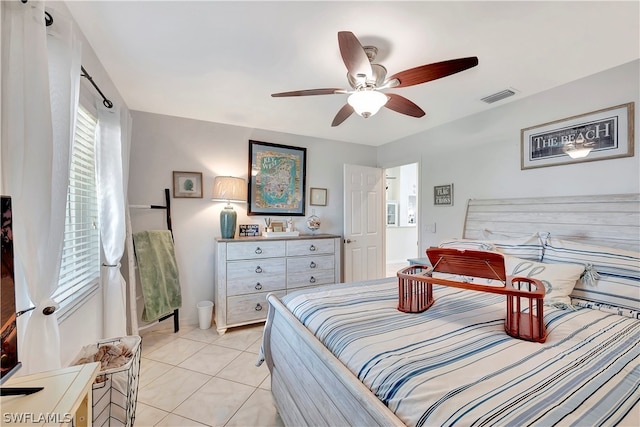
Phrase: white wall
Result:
[162,144]
[480,154]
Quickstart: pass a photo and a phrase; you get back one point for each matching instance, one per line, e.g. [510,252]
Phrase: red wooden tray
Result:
[524,295]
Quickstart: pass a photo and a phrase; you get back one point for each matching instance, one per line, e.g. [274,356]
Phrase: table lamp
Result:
[229,189]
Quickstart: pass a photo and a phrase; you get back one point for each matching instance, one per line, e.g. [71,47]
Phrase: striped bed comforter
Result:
[454,364]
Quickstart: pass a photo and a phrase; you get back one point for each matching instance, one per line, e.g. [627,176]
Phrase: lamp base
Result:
[228,222]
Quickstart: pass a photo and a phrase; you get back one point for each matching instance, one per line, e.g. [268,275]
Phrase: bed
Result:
[344,355]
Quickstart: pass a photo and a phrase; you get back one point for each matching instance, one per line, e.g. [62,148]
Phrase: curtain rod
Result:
[105,101]
[48,19]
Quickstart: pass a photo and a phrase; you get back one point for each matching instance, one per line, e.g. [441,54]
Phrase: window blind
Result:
[80,265]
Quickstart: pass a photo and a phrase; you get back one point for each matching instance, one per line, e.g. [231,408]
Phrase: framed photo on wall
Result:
[187,185]
[443,195]
[318,196]
[277,179]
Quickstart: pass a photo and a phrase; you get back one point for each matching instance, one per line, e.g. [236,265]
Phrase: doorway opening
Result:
[401,201]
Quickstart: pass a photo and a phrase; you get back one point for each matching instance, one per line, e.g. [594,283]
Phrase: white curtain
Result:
[40,87]
[112,160]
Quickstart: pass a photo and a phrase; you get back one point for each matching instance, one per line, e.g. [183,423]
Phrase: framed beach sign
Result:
[598,135]
[277,179]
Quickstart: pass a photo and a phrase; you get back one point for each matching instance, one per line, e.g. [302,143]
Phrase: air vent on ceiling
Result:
[498,96]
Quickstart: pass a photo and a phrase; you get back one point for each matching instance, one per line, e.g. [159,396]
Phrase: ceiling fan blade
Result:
[402,105]
[426,73]
[309,92]
[353,55]
[342,115]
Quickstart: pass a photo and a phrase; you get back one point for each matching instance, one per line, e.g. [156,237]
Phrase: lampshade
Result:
[578,149]
[229,189]
[367,102]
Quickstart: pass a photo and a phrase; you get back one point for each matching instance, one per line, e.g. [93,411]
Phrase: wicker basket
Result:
[115,391]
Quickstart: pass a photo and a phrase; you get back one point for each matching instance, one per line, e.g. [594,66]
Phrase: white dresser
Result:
[249,268]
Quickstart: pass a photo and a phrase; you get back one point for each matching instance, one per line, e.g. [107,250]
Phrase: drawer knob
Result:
[312,248]
[258,307]
[258,269]
[312,265]
[312,280]
[258,286]
[258,250]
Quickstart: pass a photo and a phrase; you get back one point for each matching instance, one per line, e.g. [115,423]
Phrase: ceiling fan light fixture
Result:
[367,102]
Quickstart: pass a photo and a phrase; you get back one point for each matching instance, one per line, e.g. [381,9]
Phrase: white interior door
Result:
[364,223]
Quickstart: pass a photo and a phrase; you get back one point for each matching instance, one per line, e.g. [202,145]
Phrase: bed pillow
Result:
[527,247]
[614,274]
[558,279]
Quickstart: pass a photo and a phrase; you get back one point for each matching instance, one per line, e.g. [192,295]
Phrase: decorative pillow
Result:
[558,279]
[527,247]
[616,280]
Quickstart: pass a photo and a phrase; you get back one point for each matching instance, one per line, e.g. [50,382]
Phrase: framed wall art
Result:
[443,195]
[277,179]
[187,185]
[598,135]
[318,196]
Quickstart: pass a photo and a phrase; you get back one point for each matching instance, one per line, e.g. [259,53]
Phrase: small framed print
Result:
[318,197]
[443,195]
[187,185]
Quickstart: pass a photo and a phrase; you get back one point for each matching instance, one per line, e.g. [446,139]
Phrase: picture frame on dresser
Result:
[277,179]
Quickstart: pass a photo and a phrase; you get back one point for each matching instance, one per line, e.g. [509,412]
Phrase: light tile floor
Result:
[200,378]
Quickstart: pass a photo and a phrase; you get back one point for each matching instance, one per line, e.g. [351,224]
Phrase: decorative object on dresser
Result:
[187,185]
[229,189]
[313,222]
[280,229]
[249,230]
[277,179]
[248,269]
[598,135]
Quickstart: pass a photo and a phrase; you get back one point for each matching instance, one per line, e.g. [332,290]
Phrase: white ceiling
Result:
[219,61]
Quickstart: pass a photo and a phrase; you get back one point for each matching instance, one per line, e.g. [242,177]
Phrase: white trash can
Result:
[205,312]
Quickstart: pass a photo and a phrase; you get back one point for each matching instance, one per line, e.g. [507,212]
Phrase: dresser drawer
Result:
[310,264]
[310,247]
[247,308]
[248,285]
[255,250]
[255,268]
[320,277]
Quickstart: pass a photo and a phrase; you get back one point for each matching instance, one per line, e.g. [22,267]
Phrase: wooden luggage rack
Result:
[525,296]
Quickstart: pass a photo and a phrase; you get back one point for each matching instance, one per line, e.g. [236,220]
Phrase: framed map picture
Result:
[277,184]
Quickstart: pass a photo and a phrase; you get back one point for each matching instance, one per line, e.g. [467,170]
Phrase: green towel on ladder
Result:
[158,273]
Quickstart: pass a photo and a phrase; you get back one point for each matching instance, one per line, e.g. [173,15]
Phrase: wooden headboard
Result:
[607,220]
